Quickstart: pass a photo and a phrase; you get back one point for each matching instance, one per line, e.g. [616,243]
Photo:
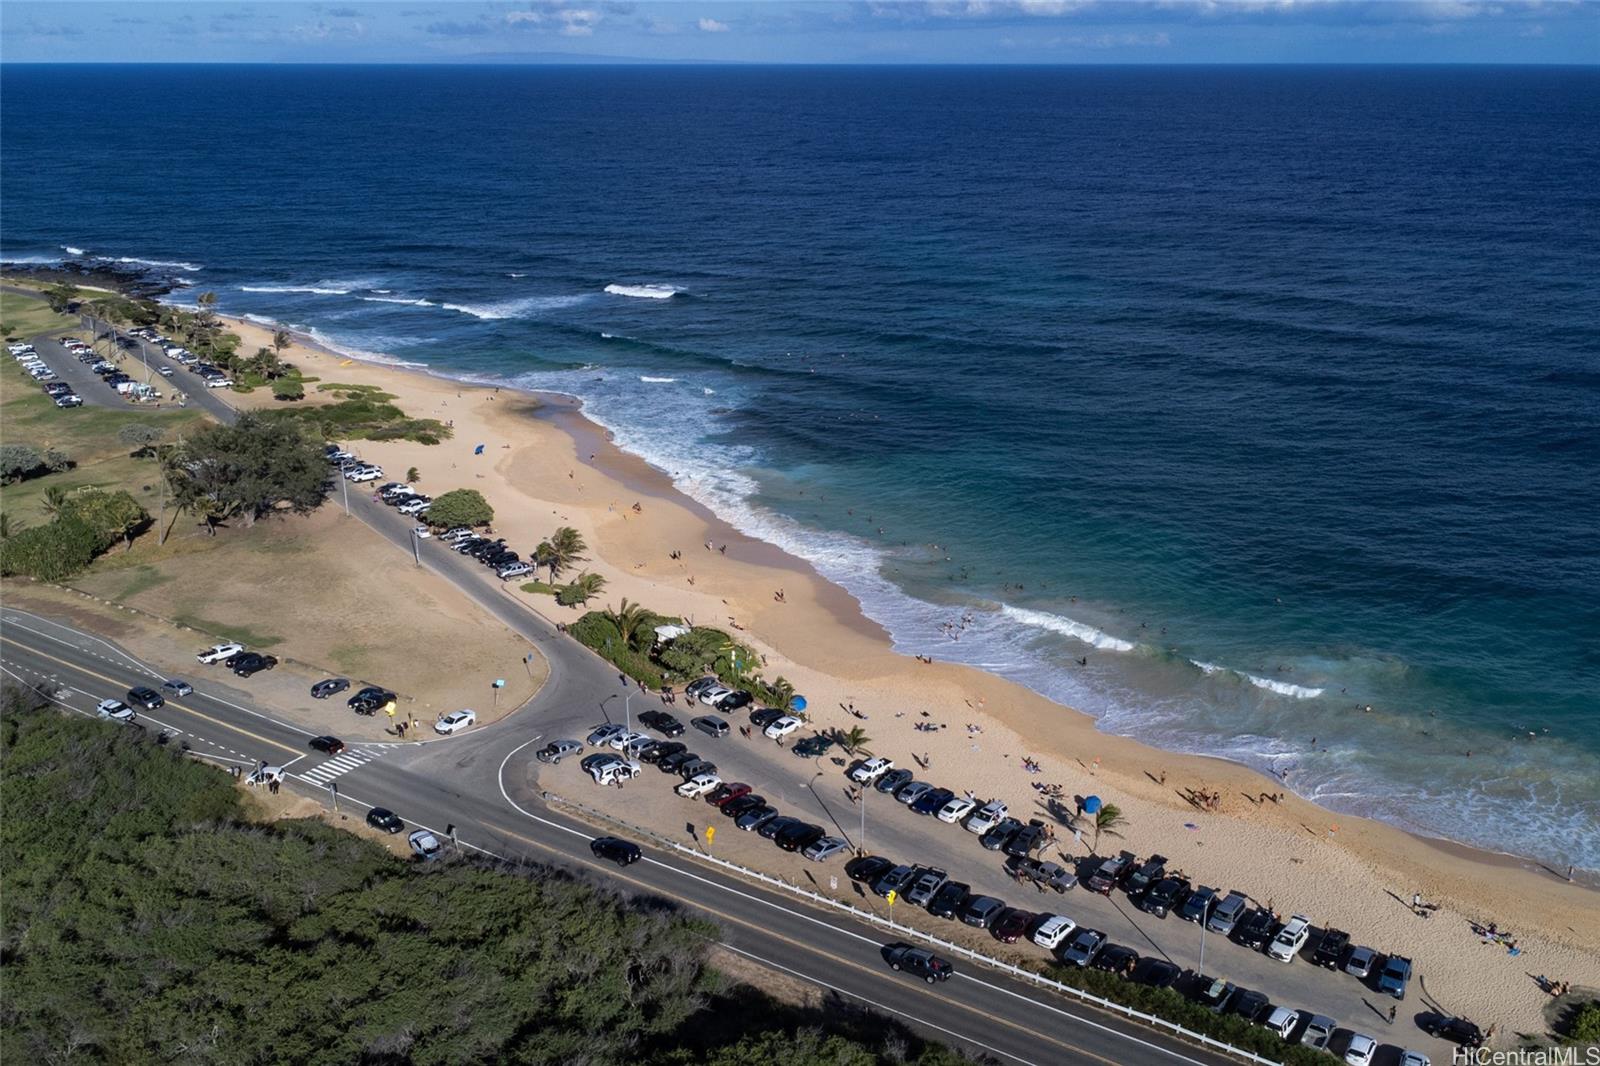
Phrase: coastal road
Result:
[457,782]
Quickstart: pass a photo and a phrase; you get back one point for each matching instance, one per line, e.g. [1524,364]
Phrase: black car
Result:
[669,764]
[812,747]
[1114,958]
[661,751]
[1211,993]
[1026,839]
[146,698]
[1146,874]
[765,717]
[331,687]
[867,868]
[894,880]
[733,701]
[737,808]
[1197,908]
[662,723]
[1257,929]
[1331,948]
[919,962]
[252,662]
[1157,973]
[772,828]
[385,819]
[621,852]
[328,745]
[998,837]
[1162,896]
[1248,1005]
[799,837]
[1456,1030]
[370,699]
[948,901]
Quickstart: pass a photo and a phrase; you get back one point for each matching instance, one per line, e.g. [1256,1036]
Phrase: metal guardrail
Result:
[955,949]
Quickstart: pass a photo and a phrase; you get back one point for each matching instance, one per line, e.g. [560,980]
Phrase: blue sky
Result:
[805,31]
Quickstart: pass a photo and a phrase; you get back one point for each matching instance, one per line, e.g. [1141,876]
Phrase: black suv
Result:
[919,962]
[331,687]
[662,723]
[1331,948]
[1162,896]
[385,819]
[1457,1030]
[948,901]
[621,852]
[1257,929]
[369,699]
[252,662]
[1027,839]
[147,699]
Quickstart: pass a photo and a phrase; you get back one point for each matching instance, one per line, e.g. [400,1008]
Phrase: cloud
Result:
[457,29]
[713,26]
[568,21]
[1113,40]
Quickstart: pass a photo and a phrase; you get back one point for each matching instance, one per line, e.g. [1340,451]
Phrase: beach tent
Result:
[797,703]
[1092,804]
[668,633]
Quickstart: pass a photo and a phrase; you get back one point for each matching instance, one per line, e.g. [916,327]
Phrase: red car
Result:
[726,793]
[1011,924]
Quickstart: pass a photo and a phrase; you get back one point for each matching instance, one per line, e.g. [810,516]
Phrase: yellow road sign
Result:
[711,833]
[890,897]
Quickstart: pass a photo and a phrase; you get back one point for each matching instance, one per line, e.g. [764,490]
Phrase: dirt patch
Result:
[285,806]
[780,986]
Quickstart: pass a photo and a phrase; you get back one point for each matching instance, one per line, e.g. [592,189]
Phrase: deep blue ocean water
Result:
[1272,393]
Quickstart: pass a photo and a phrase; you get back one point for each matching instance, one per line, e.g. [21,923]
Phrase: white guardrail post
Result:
[956,949]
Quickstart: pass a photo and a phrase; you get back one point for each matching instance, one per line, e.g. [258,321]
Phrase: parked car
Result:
[1319,1031]
[1331,948]
[1225,916]
[1290,939]
[1361,962]
[331,687]
[146,698]
[866,771]
[1049,930]
[948,901]
[1000,835]
[371,699]
[894,880]
[1162,896]
[928,881]
[709,696]
[604,734]
[893,781]
[69,399]
[733,701]
[1360,1049]
[1211,993]
[1114,958]
[919,962]
[782,727]
[691,767]
[1025,840]
[1197,905]
[1248,1004]
[932,800]
[825,848]
[614,849]
[385,819]
[764,716]
[508,571]
[769,830]
[1044,874]
[981,911]
[1257,929]
[327,745]
[1109,874]
[252,663]
[1156,973]
[177,687]
[955,810]
[1456,1030]
[698,786]
[737,808]
[1011,924]
[557,750]
[799,837]
[661,752]
[455,722]
[727,792]
[1083,946]
[1394,976]
[1281,1021]
[813,746]
[756,817]
[913,791]
[218,652]
[638,745]
[710,725]
[662,723]
[1145,875]
[621,770]
[599,761]
[867,868]
[425,845]
[670,764]
[987,817]
[694,688]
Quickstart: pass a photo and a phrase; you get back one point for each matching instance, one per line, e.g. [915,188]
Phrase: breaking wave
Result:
[1067,627]
[643,292]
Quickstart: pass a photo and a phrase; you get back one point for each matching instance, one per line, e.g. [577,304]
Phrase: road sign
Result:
[499,682]
[388,708]
[711,833]
[890,897]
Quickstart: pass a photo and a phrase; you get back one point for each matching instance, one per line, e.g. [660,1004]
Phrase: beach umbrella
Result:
[797,703]
[1092,804]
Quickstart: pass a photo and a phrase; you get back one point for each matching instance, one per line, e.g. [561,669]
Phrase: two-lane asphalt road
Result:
[457,782]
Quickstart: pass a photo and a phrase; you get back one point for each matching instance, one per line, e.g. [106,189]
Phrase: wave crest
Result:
[1282,688]
[1067,627]
[643,292]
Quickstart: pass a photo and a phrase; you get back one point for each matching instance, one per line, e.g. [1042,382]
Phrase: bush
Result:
[18,462]
[50,552]
[1584,1027]
[594,630]
[460,507]
[288,389]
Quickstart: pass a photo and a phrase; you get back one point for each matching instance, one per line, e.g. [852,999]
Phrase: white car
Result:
[218,652]
[265,775]
[782,727]
[956,810]
[1290,939]
[1361,1050]
[711,695]
[1414,1058]
[987,817]
[603,734]
[455,722]
[505,573]
[698,785]
[613,772]
[115,710]
[1282,1021]
[164,371]
[219,383]
[871,770]
[366,473]
[623,739]
[825,849]
[421,532]
[1053,931]
[416,506]
[1319,1031]
[425,844]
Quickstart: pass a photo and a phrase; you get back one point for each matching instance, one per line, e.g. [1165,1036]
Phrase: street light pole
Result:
[864,790]
[627,710]
[416,552]
[344,484]
[1203,943]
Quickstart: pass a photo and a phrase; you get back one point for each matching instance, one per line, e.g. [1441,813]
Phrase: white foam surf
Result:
[166,264]
[519,308]
[70,250]
[1067,627]
[316,290]
[643,292]
[656,381]
[407,301]
[1282,688]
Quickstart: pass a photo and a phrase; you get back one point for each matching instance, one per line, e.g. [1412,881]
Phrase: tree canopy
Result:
[21,461]
[460,507]
[253,468]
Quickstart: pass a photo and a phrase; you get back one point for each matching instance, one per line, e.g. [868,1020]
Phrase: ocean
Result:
[1220,403]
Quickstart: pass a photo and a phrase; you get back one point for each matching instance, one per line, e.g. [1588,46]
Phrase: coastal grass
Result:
[243,634]
[22,317]
[363,416]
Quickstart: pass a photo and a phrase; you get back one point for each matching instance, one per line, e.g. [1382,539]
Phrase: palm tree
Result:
[280,340]
[854,741]
[544,555]
[54,501]
[627,617]
[780,693]
[1106,820]
[566,547]
[206,319]
[586,586]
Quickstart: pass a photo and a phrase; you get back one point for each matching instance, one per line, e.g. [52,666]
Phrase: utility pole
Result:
[416,552]
[344,487]
[864,790]
[627,710]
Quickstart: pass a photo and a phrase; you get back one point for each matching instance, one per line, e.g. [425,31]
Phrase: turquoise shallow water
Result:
[1221,403]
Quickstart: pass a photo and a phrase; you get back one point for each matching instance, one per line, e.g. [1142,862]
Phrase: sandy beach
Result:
[544,465]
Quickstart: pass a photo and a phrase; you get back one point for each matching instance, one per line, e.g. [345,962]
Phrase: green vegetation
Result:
[85,524]
[1583,1027]
[19,462]
[253,468]
[1108,820]
[148,919]
[564,548]
[356,392]
[364,413]
[460,507]
[288,389]
[580,590]
[243,634]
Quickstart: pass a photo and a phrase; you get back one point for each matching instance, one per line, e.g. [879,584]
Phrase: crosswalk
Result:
[339,765]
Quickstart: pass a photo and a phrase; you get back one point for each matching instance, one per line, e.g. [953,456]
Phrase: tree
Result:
[113,516]
[460,507]
[628,618]
[853,741]
[580,590]
[413,476]
[143,438]
[288,389]
[54,500]
[1108,819]
[566,547]
[60,297]
[18,462]
[50,552]
[780,693]
[253,468]
[280,340]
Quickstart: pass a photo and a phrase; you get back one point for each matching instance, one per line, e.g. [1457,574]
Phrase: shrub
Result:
[19,462]
[460,507]
[1585,1025]
[288,389]
[52,551]
[594,630]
